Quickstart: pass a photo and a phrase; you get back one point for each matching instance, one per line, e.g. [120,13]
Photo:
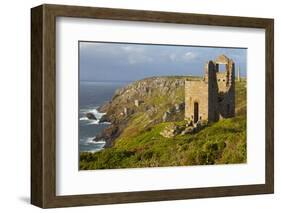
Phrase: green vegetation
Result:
[141,145]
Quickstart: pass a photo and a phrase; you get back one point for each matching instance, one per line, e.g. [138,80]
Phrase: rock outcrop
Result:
[183,129]
[152,97]
[104,118]
[171,131]
[91,116]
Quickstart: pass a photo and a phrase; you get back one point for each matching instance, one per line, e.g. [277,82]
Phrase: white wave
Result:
[93,122]
[105,122]
[97,114]
[99,142]
[84,119]
[94,151]
[92,140]
[90,121]
[99,145]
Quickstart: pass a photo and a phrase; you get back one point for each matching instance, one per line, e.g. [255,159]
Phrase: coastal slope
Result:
[147,122]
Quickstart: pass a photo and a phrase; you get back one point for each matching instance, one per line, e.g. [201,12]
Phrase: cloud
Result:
[123,61]
[139,59]
[136,54]
[172,57]
[189,56]
[182,57]
[132,49]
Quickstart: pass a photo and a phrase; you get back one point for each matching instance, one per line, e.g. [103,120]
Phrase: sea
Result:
[92,95]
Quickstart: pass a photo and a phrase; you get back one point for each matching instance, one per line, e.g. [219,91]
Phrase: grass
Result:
[141,145]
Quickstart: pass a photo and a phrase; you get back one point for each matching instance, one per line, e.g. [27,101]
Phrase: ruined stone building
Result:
[213,96]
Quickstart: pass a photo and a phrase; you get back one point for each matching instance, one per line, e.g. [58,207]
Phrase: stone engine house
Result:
[212,97]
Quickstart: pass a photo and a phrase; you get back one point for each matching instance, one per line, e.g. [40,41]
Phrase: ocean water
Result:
[91,96]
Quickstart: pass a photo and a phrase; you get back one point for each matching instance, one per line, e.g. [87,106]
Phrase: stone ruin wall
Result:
[215,93]
[196,92]
[226,88]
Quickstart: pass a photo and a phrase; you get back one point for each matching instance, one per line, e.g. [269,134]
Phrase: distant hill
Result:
[143,110]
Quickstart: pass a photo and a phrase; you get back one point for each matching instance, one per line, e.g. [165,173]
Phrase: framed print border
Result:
[43,105]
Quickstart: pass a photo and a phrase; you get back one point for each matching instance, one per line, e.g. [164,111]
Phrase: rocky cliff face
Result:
[152,100]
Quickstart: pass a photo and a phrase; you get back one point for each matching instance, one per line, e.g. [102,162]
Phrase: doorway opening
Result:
[196,112]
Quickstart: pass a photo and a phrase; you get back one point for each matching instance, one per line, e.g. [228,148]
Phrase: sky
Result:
[129,62]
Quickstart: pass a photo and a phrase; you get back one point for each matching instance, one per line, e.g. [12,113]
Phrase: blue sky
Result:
[129,62]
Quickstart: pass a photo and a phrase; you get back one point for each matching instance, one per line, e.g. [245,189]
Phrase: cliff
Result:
[151,100]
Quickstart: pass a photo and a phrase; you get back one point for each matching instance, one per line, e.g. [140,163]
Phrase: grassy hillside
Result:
[140,143]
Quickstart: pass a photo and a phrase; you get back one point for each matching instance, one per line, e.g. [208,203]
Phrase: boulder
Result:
[151,110]
[171,110]
[187,130]
[189,123]
[128,111]
[91,116]
[170,131]
[197,125]
[179,107]
[200,125]
[166,116]
[137,103]
[125,110]
[104,118]
[108,134]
